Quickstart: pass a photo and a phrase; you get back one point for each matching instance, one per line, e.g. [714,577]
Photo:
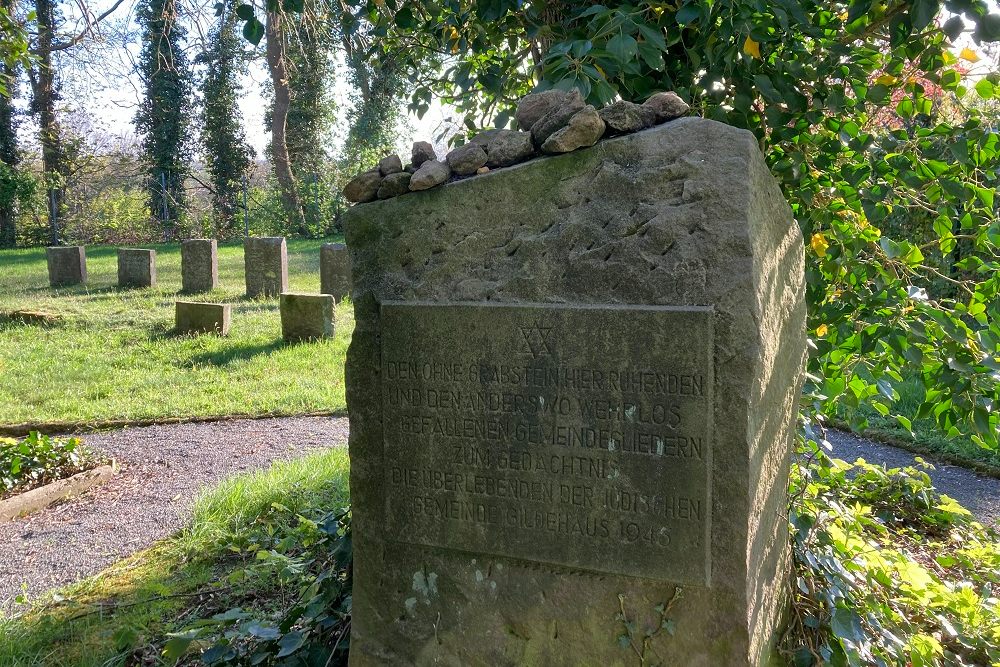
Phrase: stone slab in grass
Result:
[67,265]
[576,405]
[195,317]
[335,270]
[136,267]
[265,262]
[199,265]
[306,316]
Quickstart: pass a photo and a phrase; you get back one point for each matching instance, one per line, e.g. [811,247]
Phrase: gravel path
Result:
[162,470]
[977,493]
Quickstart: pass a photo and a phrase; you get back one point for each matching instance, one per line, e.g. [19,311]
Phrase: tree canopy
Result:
[863,111]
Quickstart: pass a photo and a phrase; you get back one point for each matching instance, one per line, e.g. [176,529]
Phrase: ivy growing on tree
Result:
[227,154]
[163,118]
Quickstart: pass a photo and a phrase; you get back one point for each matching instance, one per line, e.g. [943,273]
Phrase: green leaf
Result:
[290,643]
[245,12]
[622,47]
[253,31]
[985,89]
[923,12]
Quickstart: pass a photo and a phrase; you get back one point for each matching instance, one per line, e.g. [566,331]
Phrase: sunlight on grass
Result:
[119,615]
[112,355]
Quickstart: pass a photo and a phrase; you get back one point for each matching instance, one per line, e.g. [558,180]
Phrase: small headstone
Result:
[199,265]
[306,316]
[136,267]
[194,317]
[67,265]
[335,270]
[265,262]
[577,405]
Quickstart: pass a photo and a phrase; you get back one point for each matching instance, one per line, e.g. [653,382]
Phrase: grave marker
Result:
[196,317]
[578,402]
[266,266]
[199,265]
[335,270]
[136,267]
[67,265]
[306,316]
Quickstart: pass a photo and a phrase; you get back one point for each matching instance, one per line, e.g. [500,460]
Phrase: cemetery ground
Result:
[100,354]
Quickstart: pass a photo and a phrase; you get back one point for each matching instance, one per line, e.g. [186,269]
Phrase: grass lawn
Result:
[112,355]
[121,616]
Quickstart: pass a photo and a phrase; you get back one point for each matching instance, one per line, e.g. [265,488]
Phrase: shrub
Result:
[39,459]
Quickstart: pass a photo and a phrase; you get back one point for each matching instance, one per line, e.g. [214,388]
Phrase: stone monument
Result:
[265,261]
[67,265]
[136,267]
[306,316]
[199,265]
[572,387]
[197,317]
[335,270]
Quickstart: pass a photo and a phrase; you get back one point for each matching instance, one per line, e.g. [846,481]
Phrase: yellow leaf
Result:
[819,244]
[969,54]
[598,68]
[886,80]
[948,57]
[751,48]
[821,330]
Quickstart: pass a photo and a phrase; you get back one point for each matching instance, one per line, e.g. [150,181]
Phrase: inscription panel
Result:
[573,435]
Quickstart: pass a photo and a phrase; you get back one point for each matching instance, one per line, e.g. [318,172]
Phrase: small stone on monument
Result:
[67,265]
[195,317]
[306,316]
[136,267]
[199,265]
[335,270]
[265,264]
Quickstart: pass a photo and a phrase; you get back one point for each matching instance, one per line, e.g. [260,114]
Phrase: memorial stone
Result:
[572,387]
[306,316]
[335,270]
[67,265]
[199,265]
[265,262]
[136,267]
[196,317]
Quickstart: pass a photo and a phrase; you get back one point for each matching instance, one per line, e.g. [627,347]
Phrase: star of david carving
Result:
[536,340]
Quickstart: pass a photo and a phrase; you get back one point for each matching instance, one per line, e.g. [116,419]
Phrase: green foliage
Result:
[163,118]
[313,555]
[39,459]
[848,102]
[227,154]
[888,571]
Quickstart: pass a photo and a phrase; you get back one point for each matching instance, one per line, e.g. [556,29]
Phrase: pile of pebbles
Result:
[550,122]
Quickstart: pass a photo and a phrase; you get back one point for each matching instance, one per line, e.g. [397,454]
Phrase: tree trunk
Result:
[44,97]
[8,150]
[277,65]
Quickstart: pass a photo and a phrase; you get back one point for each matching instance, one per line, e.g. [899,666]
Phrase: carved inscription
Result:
[573,435]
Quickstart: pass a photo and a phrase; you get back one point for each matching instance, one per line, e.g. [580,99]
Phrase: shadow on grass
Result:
[233,354]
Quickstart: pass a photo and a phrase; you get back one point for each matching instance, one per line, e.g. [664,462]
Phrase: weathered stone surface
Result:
[667,106]
[584,393]
[199,265]
[394,185]
[67,265]
[390,164]
[557,117]
[363,187]
[466,159]
[535,105]
[410,168]
[265,266]
[485,137]
[624,116]
[583,129]
[195,317]
[136,267]
[422,152]
[335,270]
[431,173]
[306,316]
[509,147]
